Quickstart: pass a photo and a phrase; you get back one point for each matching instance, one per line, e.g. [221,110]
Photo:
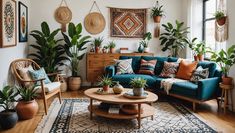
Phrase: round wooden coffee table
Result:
[144,104]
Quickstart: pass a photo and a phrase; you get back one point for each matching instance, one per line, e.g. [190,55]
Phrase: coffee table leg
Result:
[139,116]
[91,108]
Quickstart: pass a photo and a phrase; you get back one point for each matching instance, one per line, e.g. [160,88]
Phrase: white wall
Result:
[43,10]
[7,55]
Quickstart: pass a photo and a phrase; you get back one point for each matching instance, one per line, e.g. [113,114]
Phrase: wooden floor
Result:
[208,111]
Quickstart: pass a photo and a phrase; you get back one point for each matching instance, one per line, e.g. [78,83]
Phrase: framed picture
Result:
[8,23]
[23,22]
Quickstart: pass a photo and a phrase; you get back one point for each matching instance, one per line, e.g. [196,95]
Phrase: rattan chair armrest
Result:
[34,80]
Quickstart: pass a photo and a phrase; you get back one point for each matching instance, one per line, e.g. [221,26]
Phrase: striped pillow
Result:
[169,70]
[147,67]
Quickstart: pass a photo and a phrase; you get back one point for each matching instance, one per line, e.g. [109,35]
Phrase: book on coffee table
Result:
[114,109]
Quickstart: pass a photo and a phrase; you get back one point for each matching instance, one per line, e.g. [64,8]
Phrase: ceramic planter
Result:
[74,83]
[112,50]
[97,49]
[106,88]
[227,80]
[118,89]
[157,19]
[200,57]
[8,119]
[27,109]
[221,21]
[138,91]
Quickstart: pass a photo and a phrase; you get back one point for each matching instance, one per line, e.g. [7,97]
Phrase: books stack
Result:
[114,109]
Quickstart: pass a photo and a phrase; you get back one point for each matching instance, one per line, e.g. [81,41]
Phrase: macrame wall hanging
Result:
[221,25]
[63,15]
[94,22]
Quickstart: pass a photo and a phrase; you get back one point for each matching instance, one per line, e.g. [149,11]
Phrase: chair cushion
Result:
[39,74]
[188,89]
[135,62]
[186,69]
[159,64]
[169,70]
[211,65]
[147,67]
[199,74]
[124,66]
[49,87]
[24,74]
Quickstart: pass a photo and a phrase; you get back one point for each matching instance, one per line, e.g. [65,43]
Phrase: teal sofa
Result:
[196,93]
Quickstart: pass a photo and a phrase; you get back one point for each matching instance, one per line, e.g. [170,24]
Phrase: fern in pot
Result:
[105,82]
[8,117]
[138,85]
[27,106]
[75,49]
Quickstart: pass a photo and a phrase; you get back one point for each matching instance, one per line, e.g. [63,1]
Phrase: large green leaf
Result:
[53,34]
[45,29]
[72,30]
[79,28]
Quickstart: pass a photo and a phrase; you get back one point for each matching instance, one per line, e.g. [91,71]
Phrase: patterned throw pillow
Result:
[124,66]
[39,74]
[199,74]
[169,70]
[24,74]
[147,67]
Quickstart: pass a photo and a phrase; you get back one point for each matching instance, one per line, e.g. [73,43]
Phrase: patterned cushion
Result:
[124,66]
[147,67]
[39,74]
[24,74]
[169,70]
[199,74]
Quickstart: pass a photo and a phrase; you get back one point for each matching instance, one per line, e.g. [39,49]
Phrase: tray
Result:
[131,95]
[101,92]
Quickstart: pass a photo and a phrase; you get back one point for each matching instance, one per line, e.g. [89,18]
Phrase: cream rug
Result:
[72,116]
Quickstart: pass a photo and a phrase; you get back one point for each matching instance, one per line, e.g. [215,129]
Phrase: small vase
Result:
[106,88]
[140,49]
[138,91]
[117,89]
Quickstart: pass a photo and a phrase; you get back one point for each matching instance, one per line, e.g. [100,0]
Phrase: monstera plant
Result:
[174,39]
[48,52]
[75,49]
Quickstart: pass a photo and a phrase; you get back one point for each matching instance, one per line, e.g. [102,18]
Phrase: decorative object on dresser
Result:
[23,22]
[145,43]
[127,23]
[63,15]
[94,22]
[112,46]
[98,44]
[74,47]
[8,23]
[97,62]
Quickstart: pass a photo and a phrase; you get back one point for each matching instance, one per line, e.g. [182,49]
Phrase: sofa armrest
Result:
[207,88]
[110,71]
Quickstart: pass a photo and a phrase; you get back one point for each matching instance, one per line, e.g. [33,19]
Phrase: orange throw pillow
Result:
[186,70]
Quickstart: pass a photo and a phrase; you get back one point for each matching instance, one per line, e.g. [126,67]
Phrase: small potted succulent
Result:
[225,59]
[98,43]
[157,13]
[8,117]
[144,43]
[105,82]
[220,17]
[138,85]
[27,106]
[112,46]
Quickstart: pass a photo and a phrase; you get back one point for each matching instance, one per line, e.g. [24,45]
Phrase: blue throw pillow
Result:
[39,74]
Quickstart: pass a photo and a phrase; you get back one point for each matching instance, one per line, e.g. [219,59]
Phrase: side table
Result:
[226,90]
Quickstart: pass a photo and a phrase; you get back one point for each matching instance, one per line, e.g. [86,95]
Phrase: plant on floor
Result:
[98,43]
[144,43]
[138,85]
[220,17]
[75,49]
[174,39]
[157,13]
[225,59]
[27,107]
[48,52]
[112,46]
[8,117]
[105,82]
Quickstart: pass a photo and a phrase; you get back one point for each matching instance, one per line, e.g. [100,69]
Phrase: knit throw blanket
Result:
[166,84]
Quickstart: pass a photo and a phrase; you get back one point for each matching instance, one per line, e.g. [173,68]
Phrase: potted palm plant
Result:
[220,17]
[75,49]
[98,43]
[138,85]
[27,106]
[112,46]
[8,117]
[157,13]
[225,59]
[105,82]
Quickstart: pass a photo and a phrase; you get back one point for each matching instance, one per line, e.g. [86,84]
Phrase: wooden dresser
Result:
[96,62]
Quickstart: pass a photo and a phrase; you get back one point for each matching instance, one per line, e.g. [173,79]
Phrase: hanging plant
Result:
[220,17]
[157,13]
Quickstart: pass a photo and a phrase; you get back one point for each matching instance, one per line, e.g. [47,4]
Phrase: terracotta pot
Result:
[97,49]
[8,119]
[196,58]
[103,50]
[200,57]
[112,50]
[106,88]
[27,109]
[74,83]
[157,19]
[221,21]
[227,80]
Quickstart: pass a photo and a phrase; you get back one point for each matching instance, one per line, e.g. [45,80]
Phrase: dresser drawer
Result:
[95,57]
[95,64]
[109,62]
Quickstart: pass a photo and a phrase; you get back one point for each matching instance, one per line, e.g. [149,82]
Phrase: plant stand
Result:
[223,100]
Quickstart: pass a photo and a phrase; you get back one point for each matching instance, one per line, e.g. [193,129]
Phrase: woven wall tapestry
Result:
[127,23]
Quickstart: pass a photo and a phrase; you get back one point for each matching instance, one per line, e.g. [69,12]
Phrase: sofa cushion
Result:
[186,69]
[125,79]
[199,74]
[135,61]
[147,67]
[169,70]
[160,62]
[211,65]
[39,74]
[188,89]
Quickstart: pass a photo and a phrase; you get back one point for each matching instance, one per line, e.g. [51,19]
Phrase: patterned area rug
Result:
[72,116]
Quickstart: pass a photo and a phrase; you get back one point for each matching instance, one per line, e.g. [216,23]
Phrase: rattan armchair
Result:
[18,64]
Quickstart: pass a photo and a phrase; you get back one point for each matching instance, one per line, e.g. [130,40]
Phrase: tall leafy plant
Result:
[75,46]
[48,52]
[174,39]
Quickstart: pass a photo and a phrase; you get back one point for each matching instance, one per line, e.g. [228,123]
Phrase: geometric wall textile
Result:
[127,23]
[7,23]
[23,22]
